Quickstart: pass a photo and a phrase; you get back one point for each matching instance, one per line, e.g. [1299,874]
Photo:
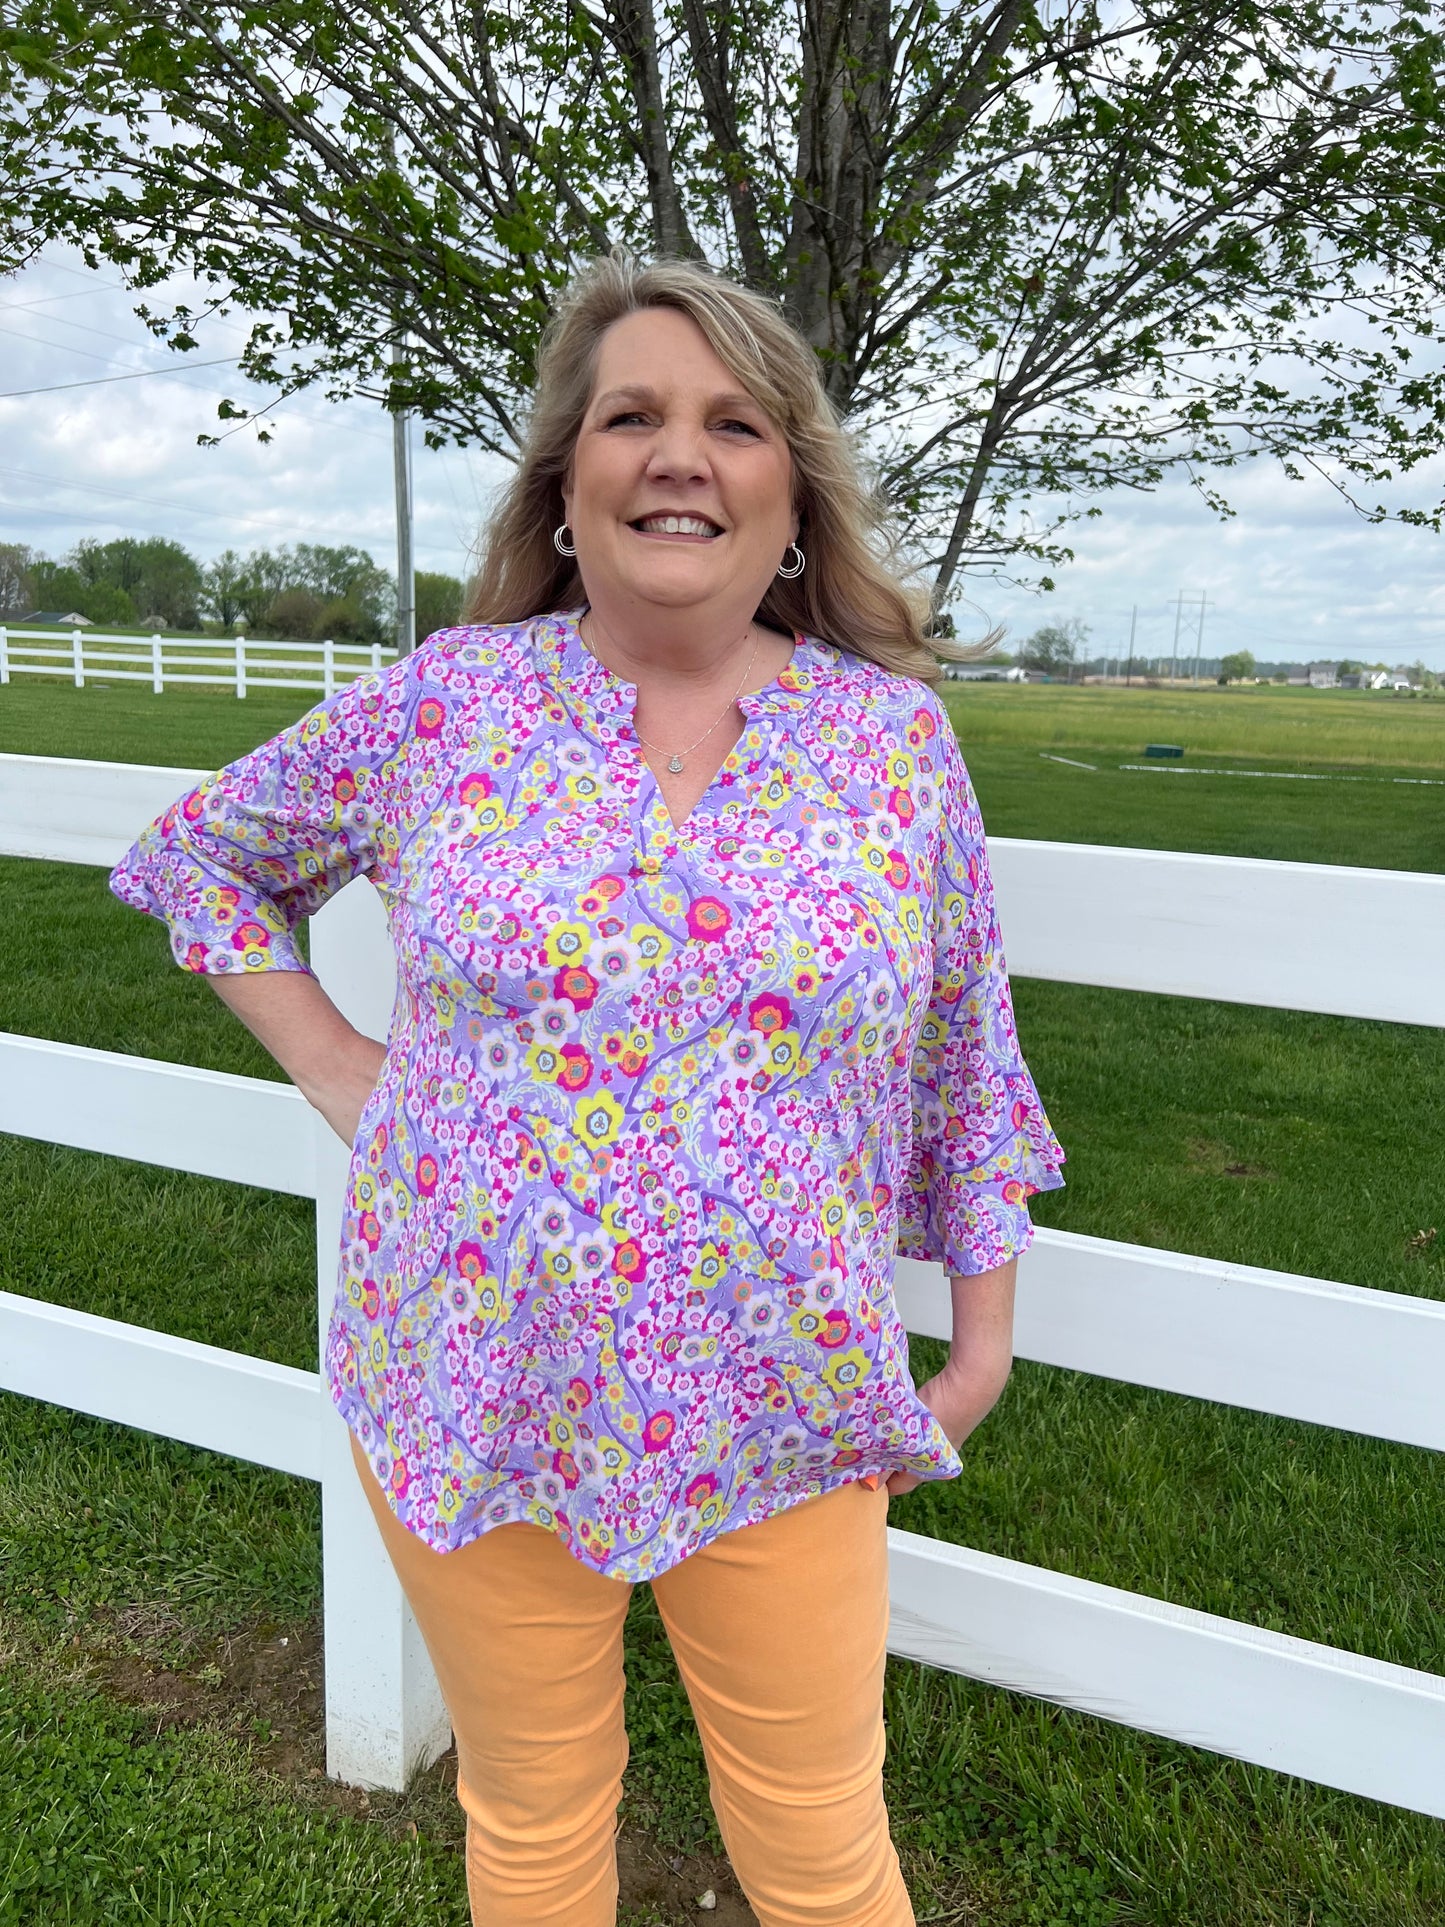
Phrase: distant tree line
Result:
[303,590]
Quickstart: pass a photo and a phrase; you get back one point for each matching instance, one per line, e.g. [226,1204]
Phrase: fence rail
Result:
[1304,1348]
[163,660]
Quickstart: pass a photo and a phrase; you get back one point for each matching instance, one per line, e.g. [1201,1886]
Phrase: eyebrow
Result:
[735,398]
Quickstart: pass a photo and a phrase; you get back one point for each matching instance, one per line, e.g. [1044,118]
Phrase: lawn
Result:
[148,1586]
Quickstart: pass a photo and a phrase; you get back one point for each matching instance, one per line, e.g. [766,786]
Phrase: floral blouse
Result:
[660,1103]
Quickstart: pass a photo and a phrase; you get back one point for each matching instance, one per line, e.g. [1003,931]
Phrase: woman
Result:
[702,1019]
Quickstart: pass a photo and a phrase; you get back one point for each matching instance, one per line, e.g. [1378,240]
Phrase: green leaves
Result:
[1042,252]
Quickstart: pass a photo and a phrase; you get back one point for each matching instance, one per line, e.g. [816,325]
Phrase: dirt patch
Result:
[1218,1161]
[264,1686]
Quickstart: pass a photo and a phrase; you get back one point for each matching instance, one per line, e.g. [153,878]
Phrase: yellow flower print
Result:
[708,1269]
[846,1371]
[545,1061]
[561,1432]
[568,943]
[599,1119]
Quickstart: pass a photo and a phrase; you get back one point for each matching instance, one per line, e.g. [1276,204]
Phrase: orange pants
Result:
[779,1631]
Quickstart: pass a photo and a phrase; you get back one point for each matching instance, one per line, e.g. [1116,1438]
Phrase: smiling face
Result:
[680,491]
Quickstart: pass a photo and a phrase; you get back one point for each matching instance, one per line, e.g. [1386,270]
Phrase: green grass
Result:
[1273,1138]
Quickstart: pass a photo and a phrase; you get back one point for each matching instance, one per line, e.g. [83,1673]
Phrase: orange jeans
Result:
[779,1631]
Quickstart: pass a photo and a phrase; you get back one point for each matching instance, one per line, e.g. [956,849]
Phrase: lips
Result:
[699,525]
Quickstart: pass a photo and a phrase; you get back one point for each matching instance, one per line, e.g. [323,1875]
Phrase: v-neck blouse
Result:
[660,1106]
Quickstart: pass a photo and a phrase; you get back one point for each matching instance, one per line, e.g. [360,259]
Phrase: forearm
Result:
[331,1063]
[980,1353]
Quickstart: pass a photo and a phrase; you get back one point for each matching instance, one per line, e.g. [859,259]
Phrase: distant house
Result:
[984,672]
[1324,675]
[57,619]
[1298,676]
[1400,682]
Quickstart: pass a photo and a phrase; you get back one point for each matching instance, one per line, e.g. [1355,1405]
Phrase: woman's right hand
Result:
[330,1062]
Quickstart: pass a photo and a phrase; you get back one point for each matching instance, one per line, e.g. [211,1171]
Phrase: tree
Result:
[1238,667]
[438,602]
[17,585]
[161,579]
[222,582]
[1042,250]
[1054,647]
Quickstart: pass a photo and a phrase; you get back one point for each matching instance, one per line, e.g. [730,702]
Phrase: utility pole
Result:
[1199,637]
[401,471]
[1133,622]
[1174,659]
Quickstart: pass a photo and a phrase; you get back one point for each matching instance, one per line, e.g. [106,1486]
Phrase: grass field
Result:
[158,1746]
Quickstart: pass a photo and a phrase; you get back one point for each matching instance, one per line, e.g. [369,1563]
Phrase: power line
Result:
[99,381]
[150,501]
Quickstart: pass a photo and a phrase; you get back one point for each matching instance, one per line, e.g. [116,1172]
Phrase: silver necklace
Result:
[675,757]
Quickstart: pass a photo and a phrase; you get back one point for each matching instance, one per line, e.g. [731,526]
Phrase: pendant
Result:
[676,766]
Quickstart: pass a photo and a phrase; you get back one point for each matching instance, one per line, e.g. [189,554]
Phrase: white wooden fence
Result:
[1295,936]
[162,660]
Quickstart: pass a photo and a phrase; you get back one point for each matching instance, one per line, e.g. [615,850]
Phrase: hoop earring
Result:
[562,548]
[794,569]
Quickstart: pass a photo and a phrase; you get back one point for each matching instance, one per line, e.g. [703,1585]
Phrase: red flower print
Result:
[426,1174]
[471,1261]
[343,786]
[578,1396]
[657,1431]
[400,1478]
[900,804]
[577,985]
[769,1014]
[576,1072]
[565,1466]
[1013,1192]
[251,936]
[430,716]
[369,1230]
[701,1488]
[1020,1114]
[708,918]
[897,871]
[195,956]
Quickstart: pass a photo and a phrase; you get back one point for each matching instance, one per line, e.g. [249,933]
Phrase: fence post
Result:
[328,671]
[77,657]
[376,659]
[384,1710]
[4,655]
[240,665]
[157,682]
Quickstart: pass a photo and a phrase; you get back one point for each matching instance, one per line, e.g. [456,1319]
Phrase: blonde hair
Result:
[850,593]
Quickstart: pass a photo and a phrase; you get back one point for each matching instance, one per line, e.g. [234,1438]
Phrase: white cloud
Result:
[1295,574]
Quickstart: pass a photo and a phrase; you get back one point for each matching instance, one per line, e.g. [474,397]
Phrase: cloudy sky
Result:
[1294,575]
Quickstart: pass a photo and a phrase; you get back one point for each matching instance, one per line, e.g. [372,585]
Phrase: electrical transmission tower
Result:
[1188,616]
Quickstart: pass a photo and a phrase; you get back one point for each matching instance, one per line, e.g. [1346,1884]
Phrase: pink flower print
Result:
[471,1262]
[628,1261]
[578,1396]
[900,804]
[431,715]
[1014,1192]
[343,786]
[896,871]
[369,1230]
[475,788]
[921,729]
[251,936]
[196,954]
[770,1014]
[835,1329]
[598,894]
[708,919]
[577,985]
[565,1466]
[701,1489]
[427,1174]
[658,1430]
[400,1477]
[576,1072]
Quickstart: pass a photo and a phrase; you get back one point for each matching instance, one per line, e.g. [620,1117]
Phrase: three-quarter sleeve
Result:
[235,864]
[982,1145]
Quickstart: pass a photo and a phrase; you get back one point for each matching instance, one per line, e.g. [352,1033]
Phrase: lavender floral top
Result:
[660,1105]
